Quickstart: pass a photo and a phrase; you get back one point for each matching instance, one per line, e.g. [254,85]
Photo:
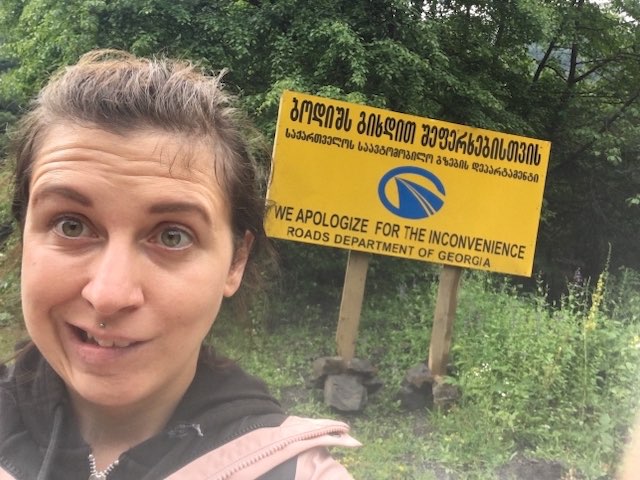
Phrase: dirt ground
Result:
[519,467]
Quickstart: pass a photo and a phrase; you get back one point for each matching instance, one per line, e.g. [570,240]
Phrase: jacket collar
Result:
[210,413]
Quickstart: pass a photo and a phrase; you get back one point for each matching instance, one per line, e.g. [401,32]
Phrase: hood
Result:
[220,398]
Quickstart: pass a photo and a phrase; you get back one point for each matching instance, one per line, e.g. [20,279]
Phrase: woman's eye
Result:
[71,228]
[175,238]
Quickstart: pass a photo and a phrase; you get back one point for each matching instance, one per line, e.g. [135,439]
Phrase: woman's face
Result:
[120,232]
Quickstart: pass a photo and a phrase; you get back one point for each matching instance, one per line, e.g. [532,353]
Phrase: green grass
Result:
[549,383]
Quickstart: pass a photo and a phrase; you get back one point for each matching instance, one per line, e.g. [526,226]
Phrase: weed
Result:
[557,383]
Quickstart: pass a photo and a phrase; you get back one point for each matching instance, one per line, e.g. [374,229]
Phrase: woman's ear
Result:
[238,264]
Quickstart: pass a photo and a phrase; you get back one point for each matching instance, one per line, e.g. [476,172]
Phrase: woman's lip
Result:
[103,339]
[93,355]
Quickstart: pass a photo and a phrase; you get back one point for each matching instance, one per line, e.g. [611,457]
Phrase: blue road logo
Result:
[411,192]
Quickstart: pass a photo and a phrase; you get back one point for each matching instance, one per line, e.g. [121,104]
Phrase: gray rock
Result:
[344,392]
[415,391]
[523,468]
[418,376]
[445,395]
[362,367]
[415,399]
[324,366]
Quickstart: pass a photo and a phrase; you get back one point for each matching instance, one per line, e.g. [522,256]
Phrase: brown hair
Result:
[118,92]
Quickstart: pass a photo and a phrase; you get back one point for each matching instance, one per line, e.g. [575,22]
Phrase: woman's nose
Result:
[114,282]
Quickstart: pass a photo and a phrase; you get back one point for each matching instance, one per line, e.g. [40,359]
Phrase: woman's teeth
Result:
[105,343]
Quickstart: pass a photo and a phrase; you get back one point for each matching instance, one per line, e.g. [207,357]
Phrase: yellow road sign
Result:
[362,178]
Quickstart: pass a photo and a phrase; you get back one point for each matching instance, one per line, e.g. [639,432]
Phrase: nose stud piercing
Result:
[102,325]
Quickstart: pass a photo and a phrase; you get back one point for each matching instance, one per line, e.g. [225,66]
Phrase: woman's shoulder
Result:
[295,448]
[254,437]
[29,390]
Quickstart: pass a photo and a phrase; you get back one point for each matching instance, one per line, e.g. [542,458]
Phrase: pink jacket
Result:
[227,426]
[259,451]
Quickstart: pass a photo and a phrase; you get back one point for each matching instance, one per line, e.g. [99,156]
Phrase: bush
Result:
[558,382]
[552,382]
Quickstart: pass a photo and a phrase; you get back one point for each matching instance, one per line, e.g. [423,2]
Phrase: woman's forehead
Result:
[149,162]
[158,151]
[147,168]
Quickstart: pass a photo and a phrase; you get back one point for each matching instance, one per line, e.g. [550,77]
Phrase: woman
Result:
[140,211]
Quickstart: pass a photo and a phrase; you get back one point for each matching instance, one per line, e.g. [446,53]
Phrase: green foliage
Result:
[557,383]
[9,259]
[623,302]
[564,71]
[550,382]
[10,310]
[41,35]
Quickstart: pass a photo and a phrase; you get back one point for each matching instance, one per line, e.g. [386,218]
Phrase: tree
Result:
[564,70]
[586,89]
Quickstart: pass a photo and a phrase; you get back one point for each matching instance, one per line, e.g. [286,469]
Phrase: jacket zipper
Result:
[258,456]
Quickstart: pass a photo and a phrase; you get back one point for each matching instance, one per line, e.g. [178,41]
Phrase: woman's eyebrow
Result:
[157,208]
[61,191]
[180,207]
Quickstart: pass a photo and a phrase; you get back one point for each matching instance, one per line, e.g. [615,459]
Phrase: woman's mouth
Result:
[104,342]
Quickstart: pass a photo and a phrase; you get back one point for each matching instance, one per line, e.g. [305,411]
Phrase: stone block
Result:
[345,392]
